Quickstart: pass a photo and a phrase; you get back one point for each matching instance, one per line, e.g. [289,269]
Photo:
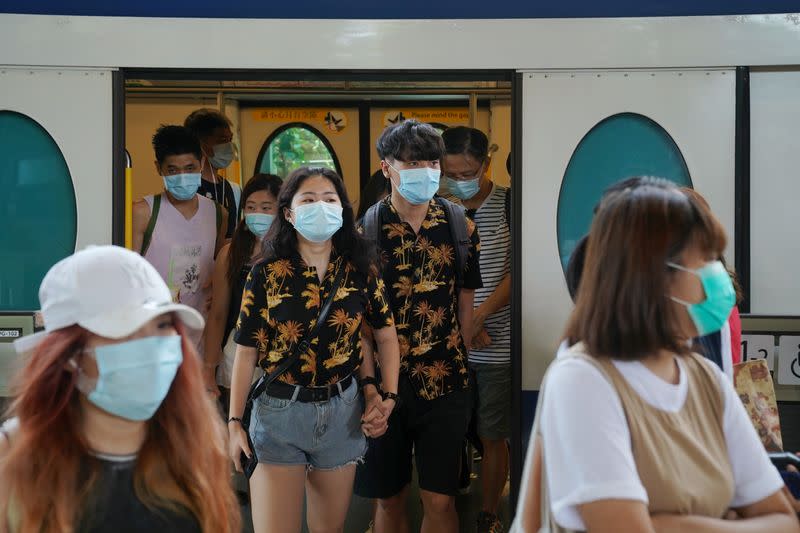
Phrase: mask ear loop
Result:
[684,269]
[389,177]
[83,383]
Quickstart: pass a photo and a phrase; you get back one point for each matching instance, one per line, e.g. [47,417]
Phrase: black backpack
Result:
[456,220]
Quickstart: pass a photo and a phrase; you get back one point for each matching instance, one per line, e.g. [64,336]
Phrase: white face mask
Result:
[223,155]
[418,185]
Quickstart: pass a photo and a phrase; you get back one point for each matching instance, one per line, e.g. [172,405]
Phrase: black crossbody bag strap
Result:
[304,344]
[249,463]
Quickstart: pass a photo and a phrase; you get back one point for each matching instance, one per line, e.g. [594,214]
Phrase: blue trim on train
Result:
[408,9]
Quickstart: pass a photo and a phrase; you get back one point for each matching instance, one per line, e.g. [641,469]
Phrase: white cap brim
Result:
[125,322]
[29,342]
[122,323]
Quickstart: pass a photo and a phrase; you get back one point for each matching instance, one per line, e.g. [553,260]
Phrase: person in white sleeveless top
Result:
[465,167]
[178,231]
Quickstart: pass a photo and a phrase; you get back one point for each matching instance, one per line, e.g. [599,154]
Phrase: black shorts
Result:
[433,429]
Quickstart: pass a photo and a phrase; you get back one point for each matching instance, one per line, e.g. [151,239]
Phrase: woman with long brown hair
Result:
[637,433]
[259,206]
[111,427]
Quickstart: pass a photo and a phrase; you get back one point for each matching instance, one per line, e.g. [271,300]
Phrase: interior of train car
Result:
[280,125]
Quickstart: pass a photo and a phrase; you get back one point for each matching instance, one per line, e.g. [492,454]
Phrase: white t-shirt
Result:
[587,443]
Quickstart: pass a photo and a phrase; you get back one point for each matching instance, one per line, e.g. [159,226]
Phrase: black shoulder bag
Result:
[249,463]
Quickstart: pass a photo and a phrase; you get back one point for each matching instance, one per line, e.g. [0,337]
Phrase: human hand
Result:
[237,444]
[481,340]
[375,421]
[478,318]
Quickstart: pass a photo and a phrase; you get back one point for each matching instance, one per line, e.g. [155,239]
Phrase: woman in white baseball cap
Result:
[111,427]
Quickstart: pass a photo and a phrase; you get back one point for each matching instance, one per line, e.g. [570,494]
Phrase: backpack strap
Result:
[371,222]
[457,220]
[151,224]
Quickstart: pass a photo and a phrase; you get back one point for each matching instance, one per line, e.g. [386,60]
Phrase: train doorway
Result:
[283,120]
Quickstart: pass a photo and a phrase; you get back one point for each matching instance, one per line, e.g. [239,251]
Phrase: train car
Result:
[578,95]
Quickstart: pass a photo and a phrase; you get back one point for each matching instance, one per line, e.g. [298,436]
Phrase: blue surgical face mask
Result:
[418,185]
[319,221]
[464,189]
[258,223]
[134,376]
[183,186]
[223,155]
[710,315]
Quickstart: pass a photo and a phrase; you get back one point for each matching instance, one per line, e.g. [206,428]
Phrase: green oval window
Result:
[619,147]
[38,214]
[293,146]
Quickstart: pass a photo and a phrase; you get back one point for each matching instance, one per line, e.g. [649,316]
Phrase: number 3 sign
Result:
[759,347]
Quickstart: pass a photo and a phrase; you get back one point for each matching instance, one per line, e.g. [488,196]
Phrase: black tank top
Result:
[114,507]
[236,302]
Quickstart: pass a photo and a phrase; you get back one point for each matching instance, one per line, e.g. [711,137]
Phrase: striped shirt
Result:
[495,258]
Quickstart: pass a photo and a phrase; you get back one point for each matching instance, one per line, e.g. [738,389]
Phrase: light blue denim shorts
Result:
[322,435]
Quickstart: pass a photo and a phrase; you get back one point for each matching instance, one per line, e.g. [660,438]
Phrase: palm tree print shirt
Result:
[419,270]
[280,304]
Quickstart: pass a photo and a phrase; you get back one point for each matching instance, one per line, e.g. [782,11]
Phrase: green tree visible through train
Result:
[296,147]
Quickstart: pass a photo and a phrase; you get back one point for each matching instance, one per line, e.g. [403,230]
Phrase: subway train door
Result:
[279,139]
[55,162]
[586,130]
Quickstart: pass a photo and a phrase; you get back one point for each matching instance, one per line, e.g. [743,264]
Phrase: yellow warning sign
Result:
[289,114]
[447,115]
[332,120]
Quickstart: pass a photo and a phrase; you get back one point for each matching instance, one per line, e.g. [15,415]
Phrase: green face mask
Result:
[710,315]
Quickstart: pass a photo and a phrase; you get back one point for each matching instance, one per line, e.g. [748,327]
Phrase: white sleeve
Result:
[754,476]
[237,195]
[587,443]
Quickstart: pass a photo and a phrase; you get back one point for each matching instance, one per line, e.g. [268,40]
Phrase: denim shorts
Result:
[322,435]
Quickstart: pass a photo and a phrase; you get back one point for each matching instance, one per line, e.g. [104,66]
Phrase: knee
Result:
[436,503]
[394,506]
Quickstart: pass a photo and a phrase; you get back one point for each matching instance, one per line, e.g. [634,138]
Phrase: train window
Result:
[39,218]
[618,147]
[293,146]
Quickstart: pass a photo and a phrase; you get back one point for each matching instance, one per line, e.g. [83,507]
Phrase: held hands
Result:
[237,444]
[375,421]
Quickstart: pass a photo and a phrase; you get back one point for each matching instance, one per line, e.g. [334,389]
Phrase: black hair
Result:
[377,188]
[204,122]
[410,140]
[281,240]
[508,164]
[574,269]
[243,240]
[464,140]
[175,140]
